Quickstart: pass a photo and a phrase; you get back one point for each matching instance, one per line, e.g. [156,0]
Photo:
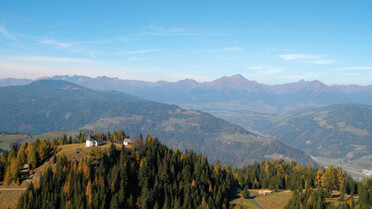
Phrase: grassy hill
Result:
[49,105]
[9,195]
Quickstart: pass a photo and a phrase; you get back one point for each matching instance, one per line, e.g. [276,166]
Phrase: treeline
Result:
[276,175]
[311,185]
[116,136]
[161,178]
[317,198]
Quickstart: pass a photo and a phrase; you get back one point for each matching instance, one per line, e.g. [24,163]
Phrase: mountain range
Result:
[288,112]
[231,87]
[56,105]
[227,95]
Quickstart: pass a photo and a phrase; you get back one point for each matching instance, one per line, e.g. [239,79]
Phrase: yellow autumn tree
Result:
[319,175]
[309,202]
[88,193]
[22,155]
[193,184]
[329,178]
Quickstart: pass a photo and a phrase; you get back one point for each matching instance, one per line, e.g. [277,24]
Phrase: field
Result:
[6,140]
[276,200]
[9,195]
[9,198]
[278,157]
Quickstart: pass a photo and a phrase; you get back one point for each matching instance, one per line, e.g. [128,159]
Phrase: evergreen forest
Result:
[160,177]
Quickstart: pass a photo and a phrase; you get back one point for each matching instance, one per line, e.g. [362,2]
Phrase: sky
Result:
[272,42]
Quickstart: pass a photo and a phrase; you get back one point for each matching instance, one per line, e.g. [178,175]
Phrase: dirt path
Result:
[256,204]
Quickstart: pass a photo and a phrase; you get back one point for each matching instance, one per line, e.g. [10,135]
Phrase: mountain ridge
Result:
[234,79]
[49,105]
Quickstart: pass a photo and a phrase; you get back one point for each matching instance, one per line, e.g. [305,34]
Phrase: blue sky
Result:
[268,41]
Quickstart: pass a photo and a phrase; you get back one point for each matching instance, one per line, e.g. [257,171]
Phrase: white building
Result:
[264,192]
[91,141]
[128,141]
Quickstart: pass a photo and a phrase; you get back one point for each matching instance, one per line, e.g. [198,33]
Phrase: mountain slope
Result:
[14,82]
[337,131]
[49,105]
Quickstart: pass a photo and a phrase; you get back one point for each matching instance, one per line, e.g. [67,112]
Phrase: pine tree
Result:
[112,150]
[246,193]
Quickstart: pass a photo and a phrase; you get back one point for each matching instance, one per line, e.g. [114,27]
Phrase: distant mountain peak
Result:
[237,78]
[235,82]
[310,82]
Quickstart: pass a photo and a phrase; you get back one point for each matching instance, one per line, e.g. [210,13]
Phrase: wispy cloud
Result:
[321,62]
[50,59]
[7,34]
[134,59]
[256,67]
[265,70]
[166,30]
[155,30]
[307,58]
[355,68]
[288,57]
[137,51]
[228,49]
[56,43]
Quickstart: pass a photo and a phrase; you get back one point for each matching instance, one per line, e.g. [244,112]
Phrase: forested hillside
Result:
[341,131]
[159,177]
[49,105]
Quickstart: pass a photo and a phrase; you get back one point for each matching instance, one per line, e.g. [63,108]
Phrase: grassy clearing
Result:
[57,134]
[9,195]
[245,138]
[240,202]
[6,140]
[276,200]
[276,156]
[9,199]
